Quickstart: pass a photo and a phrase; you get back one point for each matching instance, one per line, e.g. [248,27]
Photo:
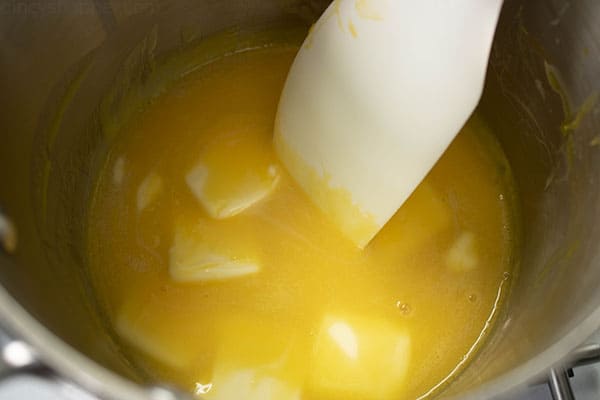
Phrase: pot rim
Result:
[64,361]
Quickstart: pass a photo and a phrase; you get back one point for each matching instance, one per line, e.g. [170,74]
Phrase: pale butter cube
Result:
[212,267]
[193,258]
[256,360]
[462,256]
[249,385]
[149,190]
[233,175]
[365,358]
[153,334]
[148,343]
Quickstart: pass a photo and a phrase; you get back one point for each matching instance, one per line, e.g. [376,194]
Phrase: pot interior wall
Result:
[61,61]
[540,97]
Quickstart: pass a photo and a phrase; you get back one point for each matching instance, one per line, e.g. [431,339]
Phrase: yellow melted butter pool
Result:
[218,274]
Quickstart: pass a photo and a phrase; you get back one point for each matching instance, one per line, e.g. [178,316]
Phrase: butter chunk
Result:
[149,190]
[233,174]
[360,357]
[256,360]
[250,384]
[149,343]
[462,255]
[155,332]
[213,268]
[195,257]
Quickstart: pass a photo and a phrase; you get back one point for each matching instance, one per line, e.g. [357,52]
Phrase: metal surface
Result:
[16,357]
[560,387]
[63,57]
[559,377]
[584,355]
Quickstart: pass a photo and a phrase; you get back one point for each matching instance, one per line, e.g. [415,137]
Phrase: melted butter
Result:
[352,29]
[271,302]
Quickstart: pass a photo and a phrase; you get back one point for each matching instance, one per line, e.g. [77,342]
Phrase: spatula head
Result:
[375,95]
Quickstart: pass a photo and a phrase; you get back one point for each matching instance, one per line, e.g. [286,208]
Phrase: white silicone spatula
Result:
[377,92]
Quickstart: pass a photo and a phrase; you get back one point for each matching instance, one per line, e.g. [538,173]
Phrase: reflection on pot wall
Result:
[69,63]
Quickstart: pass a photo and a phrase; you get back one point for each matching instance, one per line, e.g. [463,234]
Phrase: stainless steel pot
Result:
[58,60]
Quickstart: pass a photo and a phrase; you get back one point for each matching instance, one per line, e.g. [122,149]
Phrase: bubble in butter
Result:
[229,282]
